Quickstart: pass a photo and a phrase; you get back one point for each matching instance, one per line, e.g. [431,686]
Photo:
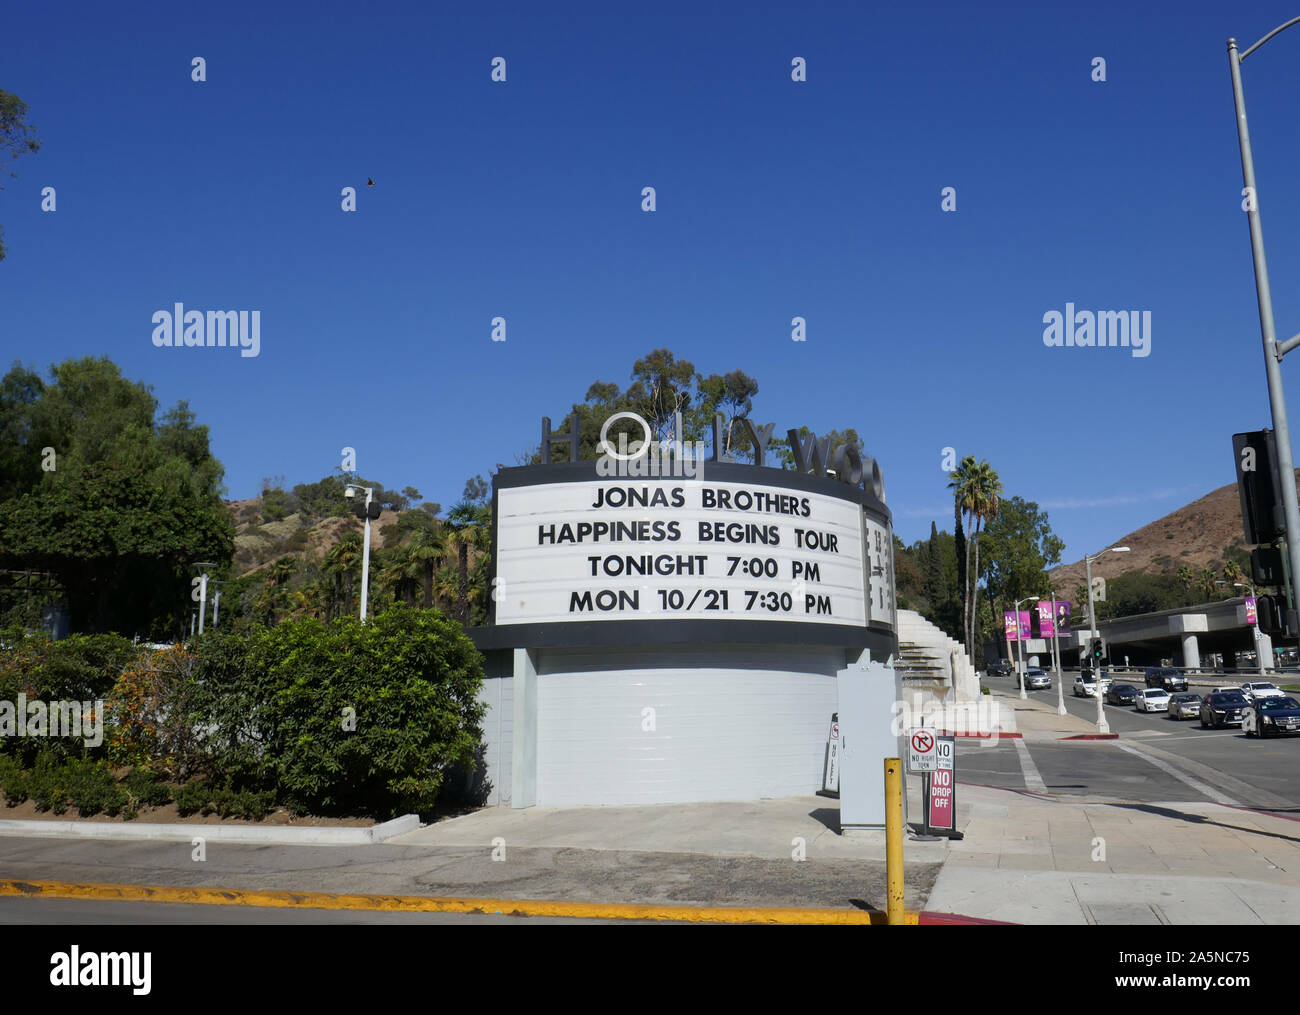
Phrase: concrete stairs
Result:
[932,666]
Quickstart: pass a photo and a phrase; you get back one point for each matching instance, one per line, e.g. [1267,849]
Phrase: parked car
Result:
[1152,699]
[1035,679]
[1166,677]
[1086,687]
[1121,694]
[1227,689]
[1184,705]
[1271,716]
[1222,708]
[1000,668]
[1261,689]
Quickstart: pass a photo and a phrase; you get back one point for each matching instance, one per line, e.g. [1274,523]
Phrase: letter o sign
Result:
[608,448]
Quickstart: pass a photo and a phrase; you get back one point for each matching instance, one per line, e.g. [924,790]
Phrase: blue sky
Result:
[775,199]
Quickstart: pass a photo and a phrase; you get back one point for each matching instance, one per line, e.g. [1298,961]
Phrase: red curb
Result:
[1093,736]
[957,920]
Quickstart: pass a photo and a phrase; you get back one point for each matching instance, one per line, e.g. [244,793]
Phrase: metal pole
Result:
[894,840]
[1272,364]
[216,608]
[365,559]
[1056,659]
[203,598]
[1020,656]
[1102,726]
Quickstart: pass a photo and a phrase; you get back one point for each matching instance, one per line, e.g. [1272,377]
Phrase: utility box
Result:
[867,693]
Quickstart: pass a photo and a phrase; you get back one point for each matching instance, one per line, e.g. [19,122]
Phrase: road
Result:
[1190,764]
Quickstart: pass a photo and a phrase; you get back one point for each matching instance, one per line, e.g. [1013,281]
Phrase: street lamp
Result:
[1259,656]
[203,588]
[1273,350]
[1102,727]
[1056,654]
[1020,643]
[350,491]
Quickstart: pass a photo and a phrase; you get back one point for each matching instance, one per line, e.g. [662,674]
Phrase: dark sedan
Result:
[1271,717]
[1121,694]
[1223,708]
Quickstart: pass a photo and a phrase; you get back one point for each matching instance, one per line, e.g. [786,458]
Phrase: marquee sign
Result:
[741,545]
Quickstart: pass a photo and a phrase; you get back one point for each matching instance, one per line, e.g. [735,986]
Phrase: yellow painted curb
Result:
[419,904]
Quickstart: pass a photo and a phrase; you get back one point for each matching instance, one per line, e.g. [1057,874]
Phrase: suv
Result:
[1166,677]
[1000,668]
[1035,680]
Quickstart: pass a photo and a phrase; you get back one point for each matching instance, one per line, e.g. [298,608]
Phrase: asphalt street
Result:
[1233,768]
[91,912]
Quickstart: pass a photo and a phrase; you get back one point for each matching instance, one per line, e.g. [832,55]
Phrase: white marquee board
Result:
[669,548]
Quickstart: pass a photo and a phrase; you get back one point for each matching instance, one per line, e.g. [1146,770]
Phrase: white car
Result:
[1260,689]
[1227,689]
[1086,687]
[1152,699]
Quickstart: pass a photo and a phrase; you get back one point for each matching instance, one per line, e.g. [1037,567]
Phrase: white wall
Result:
[731,723]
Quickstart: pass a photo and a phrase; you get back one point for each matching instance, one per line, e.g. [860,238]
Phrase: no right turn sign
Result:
[921,753]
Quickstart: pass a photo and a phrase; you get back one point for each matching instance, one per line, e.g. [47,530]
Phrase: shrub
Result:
[150,713]
[13,782]
[146,789]
[281,703]
[192,797]
[90,786]
[80,668]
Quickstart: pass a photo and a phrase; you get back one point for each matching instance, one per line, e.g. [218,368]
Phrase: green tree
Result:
[17,137]
[977,491]
[128,505]
[1018,546]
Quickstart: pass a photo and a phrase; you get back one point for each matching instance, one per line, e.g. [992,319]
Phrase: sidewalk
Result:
[1027,858]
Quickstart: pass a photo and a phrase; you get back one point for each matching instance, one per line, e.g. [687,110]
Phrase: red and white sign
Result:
[942,798]
[920,750]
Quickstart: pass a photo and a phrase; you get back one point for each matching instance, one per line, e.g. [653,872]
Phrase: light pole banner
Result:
[1009,625]
[1046,620]
[1251,616]
[1025,631]
[1062,616]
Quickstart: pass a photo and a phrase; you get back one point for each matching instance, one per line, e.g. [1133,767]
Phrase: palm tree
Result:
[986,499]
[1232,573]
[341,563]
[977,492]
[469,529]
[1206,579]
[400,570]
[427,546]
[959,484]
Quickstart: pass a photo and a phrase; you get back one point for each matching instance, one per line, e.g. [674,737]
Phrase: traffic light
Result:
[1266,565]
[1268,611]
[1094,649]
[1255,459]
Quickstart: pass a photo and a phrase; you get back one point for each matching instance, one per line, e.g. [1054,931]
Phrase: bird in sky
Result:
[369,182]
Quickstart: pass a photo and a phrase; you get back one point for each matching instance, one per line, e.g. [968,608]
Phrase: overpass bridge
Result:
[1183,635]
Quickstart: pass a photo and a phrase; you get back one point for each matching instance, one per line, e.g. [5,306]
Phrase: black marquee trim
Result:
[876,637]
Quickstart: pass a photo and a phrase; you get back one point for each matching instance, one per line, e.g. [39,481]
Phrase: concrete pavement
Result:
[1033,858]
[1029,855]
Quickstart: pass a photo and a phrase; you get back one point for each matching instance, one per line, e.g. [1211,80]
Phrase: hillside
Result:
[258,543]
[1204,533]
